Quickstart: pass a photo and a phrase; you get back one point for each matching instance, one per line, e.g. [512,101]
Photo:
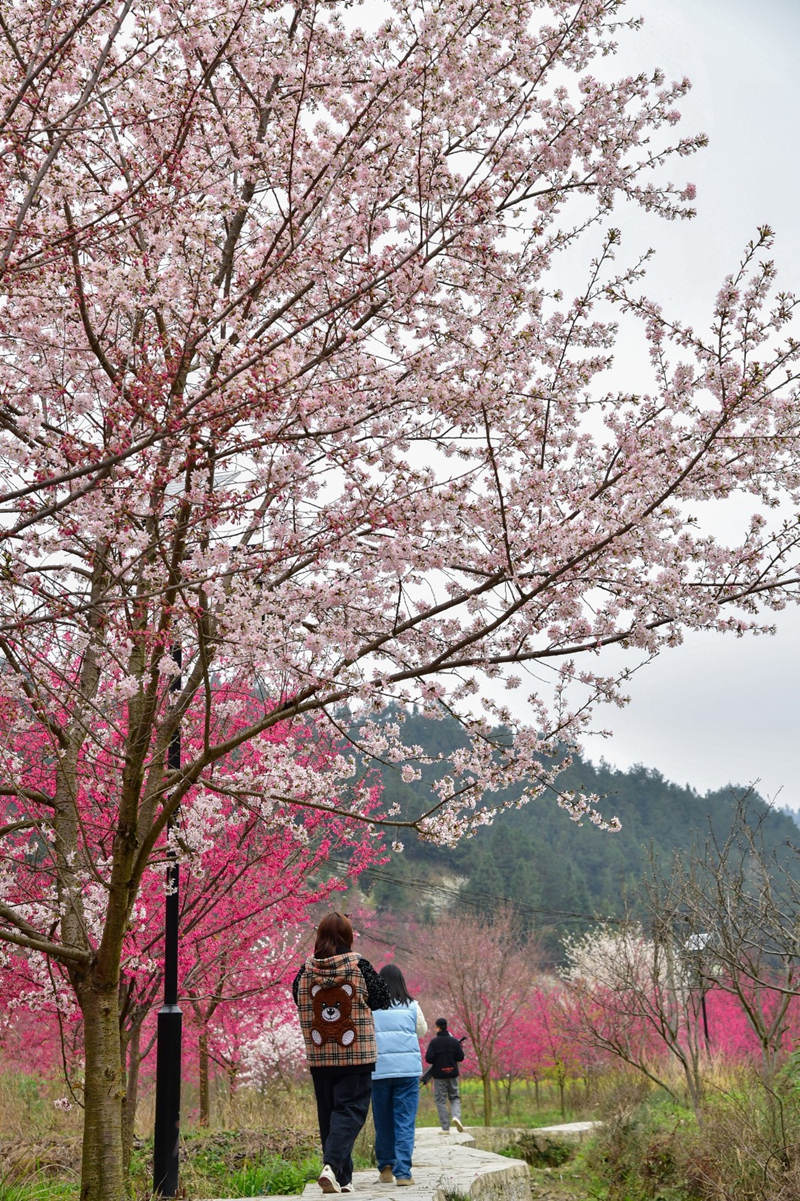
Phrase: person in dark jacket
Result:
[335,992]
[444,1054]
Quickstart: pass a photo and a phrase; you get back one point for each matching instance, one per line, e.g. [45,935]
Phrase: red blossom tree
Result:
[288,380]
[249,884]
[539,1042]
[481,975]
[563,1054]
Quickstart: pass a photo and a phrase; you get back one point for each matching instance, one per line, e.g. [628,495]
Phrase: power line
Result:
[524,906]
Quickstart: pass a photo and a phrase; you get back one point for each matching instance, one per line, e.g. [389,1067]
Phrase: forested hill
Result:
[558,873]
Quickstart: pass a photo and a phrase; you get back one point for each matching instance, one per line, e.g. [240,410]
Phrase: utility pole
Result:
[166,1151]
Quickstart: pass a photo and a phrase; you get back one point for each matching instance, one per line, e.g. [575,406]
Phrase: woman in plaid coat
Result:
[336,991]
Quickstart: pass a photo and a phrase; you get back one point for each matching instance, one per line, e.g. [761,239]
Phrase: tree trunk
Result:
[102,1165]
[487,1099]
[131,1094]
[204,1081]
[694,1081]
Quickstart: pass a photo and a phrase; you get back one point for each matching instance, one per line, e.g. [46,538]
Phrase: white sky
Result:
[717,710]
[721,710]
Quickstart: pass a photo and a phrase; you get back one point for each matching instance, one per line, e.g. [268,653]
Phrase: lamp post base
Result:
[166,1154]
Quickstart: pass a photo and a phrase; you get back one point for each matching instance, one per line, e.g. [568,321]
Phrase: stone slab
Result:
[568,1131]
[497,1138]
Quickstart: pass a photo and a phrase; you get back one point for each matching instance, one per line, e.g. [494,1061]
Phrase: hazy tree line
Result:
[558,875]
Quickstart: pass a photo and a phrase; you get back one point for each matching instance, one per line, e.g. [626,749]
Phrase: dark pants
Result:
[342,1108]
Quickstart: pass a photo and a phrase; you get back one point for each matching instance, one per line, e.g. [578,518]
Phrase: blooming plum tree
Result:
[522,1052]
[288,382]
[634,998]
[562,1053]
[275,1052]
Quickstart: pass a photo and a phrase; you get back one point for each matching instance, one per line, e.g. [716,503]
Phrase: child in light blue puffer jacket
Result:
[395,1081]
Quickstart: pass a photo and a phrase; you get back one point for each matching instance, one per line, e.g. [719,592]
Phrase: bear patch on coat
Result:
[332,1007]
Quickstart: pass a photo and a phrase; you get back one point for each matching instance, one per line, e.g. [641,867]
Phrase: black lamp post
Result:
[168,1054]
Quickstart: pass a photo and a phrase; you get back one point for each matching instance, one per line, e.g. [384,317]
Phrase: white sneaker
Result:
[348,1188]
[458,1126]
[327,1180]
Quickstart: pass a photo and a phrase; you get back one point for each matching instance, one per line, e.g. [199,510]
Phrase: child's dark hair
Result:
[396,984]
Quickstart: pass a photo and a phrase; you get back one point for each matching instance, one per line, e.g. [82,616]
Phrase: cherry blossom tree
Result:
[39,1034]
[521,1051]
[565,1055]
[289,386]
[249,882]
[276,1050]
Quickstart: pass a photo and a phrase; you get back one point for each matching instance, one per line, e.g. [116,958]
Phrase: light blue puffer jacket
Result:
[397,1032]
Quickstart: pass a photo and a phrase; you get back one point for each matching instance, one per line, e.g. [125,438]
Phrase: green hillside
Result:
[557,873]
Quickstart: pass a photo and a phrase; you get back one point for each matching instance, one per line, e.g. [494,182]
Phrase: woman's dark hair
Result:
[334,931]
[396,984]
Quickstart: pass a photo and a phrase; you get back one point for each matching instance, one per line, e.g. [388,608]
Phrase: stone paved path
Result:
[444,1164]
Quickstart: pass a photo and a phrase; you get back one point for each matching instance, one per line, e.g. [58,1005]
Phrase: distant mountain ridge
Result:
[558,874]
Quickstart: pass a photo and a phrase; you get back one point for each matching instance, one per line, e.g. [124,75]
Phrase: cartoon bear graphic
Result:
[331,1006]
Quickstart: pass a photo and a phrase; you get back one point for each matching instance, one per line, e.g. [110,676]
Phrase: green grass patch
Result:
[538,1153]
[641,1152]
[273,1175]
[520,1105]
[44,1190]
[229,1163]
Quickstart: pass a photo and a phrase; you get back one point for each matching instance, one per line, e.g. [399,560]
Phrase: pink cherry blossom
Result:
[289,380]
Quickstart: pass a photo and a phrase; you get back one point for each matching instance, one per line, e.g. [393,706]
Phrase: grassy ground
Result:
[517,1106]
[213,1164]
[745,1148]
[257,1144]
[570,1181]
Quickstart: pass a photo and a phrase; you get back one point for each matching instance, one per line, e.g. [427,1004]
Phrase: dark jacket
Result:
[444,1054]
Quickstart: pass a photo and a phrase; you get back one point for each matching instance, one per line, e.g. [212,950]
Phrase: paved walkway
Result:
[447,1167]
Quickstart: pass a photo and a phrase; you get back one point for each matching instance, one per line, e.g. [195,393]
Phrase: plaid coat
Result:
[334,1014]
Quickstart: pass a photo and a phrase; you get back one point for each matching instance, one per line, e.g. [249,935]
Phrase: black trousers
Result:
[342,1108]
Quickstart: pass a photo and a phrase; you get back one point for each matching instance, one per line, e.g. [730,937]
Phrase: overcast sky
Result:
[721,710]
[717,710]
